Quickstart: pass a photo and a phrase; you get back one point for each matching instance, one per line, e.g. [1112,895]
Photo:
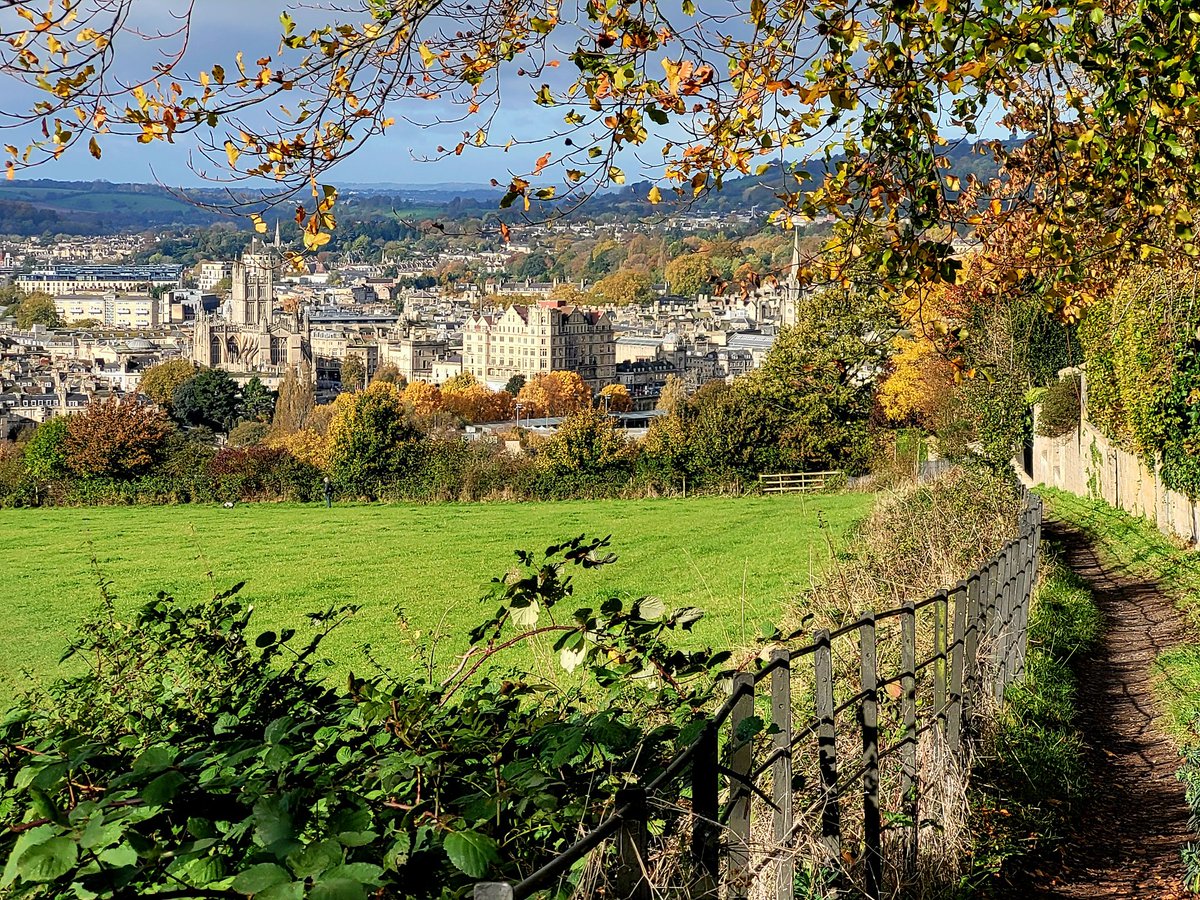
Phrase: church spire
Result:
[277,243]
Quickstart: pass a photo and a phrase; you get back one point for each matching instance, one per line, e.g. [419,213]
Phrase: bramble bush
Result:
[195,757]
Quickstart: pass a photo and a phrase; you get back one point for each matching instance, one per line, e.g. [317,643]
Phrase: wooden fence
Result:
[798,482]
[839,776]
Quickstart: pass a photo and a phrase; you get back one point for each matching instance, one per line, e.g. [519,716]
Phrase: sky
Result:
[222,27]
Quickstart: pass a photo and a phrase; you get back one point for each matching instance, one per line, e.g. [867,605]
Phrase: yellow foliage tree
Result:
[423,398]
[616,398]
[555,394]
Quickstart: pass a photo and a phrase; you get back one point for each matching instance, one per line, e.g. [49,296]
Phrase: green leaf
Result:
[259,878]
[471,852]
[338,889]
[748,728]
[154,759]
[48,861]
[162,789]
[31,838]
[364,873]
[315,858]
[292,891]
[650,608]
[119,857]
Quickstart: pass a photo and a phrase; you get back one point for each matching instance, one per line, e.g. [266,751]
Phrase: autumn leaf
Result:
[232,152]
[505,233]
[655,195]
[94,148]
[543,161]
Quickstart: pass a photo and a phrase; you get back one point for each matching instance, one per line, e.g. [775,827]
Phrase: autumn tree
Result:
[371,440]
[37,309]
[116,438]
[388,373]
[690,275]
[353,372]
[615,398]
[623,288]
[160,381]
[555,393]
[297,397]
[674,394]
[423,398]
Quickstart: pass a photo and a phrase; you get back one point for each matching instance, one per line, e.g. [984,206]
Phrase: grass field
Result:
[739,559]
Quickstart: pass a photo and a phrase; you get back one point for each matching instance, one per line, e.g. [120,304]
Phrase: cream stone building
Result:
[111,310]
[530,340]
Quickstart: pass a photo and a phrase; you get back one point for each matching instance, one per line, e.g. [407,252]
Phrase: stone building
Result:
[531,340]
[253,338]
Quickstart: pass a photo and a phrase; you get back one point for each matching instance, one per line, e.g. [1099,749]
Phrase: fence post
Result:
[781,774]
[630,878]
[706,813]
[941,606]
[908,749]
[1000,647]
[976,588]
[741,759]
[1021,594]
[868,680]
[954,714]
[831,825]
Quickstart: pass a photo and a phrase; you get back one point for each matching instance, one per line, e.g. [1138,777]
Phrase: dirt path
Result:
[1127,841]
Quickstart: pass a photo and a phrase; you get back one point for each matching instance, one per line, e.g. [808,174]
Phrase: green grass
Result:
[1032,773]
[738,559]
[1140,549]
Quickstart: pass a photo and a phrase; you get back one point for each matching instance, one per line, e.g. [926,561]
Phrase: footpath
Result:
[1126,842]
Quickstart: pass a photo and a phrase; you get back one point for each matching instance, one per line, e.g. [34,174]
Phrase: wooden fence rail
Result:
[915,677]
[799,482]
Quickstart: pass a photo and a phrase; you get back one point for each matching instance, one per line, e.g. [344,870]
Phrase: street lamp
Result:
[520,406]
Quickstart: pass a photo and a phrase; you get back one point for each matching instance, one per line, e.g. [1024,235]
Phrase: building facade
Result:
[99,279]
[532,340]
[112,310]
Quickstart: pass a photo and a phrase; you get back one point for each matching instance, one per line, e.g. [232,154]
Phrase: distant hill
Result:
[92,207]
[99,207]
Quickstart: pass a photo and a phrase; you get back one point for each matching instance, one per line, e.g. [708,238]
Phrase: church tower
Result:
[253,287]
[789,300]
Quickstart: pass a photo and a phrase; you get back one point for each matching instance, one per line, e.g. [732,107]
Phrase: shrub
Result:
[1060,409]
[196,755]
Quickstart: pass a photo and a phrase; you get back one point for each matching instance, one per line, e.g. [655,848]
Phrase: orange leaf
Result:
[542,162]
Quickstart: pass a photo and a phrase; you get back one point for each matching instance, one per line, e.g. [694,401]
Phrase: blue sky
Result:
[220,29]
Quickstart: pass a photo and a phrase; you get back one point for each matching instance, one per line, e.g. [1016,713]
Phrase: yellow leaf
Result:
[94,148]
[427,56]
[315,241]
[233,153]
[259,225]
[655,195]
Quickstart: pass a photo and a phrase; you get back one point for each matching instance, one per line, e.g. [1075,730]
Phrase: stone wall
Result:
[1088,464]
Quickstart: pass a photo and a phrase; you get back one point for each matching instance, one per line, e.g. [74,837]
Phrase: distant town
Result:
[431,316]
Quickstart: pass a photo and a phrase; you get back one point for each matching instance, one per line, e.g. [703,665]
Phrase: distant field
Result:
[95,201]
[739,559]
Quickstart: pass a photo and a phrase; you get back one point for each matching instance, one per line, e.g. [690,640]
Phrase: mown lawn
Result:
[739,559]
